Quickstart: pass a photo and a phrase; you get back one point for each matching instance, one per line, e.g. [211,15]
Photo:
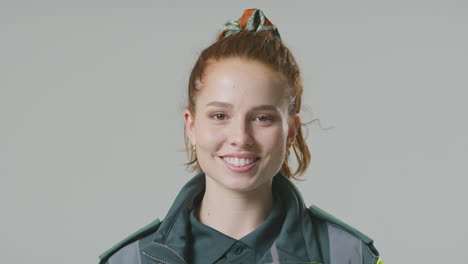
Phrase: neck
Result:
[232,213]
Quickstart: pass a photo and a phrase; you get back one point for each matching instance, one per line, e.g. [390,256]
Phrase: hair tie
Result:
[252,20]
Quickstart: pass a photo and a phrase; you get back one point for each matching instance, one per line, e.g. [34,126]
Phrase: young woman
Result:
[241,122]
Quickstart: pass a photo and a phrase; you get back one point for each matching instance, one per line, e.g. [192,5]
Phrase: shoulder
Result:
[129,247]
[345,243]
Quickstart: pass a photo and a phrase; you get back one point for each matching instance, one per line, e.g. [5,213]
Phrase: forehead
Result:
[242,81]
[240,68]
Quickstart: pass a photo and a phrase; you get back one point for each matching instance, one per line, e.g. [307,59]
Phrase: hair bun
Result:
[252,20]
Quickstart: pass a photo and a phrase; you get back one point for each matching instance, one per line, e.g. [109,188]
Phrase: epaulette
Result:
[146,230]
[328,217]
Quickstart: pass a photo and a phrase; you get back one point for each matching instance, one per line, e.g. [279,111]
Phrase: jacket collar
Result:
[294,242]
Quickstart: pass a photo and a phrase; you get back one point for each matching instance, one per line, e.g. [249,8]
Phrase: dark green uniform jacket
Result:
[292,233]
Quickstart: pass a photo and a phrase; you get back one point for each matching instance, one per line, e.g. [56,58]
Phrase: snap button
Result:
[238,251]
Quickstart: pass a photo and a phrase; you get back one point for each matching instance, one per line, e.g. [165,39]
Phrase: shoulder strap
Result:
[148,229]
[328,217]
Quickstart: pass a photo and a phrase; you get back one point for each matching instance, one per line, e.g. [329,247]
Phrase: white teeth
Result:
[238,162]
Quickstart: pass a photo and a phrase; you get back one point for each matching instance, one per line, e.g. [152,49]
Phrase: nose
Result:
[240,134]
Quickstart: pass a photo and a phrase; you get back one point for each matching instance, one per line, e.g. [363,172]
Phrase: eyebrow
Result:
[257,108]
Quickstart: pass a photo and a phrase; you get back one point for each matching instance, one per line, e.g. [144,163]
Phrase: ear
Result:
[293,127]
[189,119]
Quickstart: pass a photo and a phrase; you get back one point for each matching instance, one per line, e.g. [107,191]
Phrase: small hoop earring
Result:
[194,147]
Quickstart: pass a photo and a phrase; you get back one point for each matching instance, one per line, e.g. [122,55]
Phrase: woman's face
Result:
[240,126]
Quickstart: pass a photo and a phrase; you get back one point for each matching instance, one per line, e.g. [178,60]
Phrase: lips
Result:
[239,164]
[241,155]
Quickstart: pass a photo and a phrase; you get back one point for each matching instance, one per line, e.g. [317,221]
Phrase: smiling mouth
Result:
[239,162]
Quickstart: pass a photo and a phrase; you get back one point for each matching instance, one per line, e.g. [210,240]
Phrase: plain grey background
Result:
[91,128]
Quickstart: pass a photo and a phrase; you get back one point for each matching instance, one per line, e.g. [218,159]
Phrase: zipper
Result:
[154,258]
[163,261]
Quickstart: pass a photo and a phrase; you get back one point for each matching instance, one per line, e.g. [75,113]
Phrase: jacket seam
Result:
[182,208]
[301,203]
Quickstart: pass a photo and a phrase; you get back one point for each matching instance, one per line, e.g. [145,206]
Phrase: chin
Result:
[238,183]
[242,188]
[244,183]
